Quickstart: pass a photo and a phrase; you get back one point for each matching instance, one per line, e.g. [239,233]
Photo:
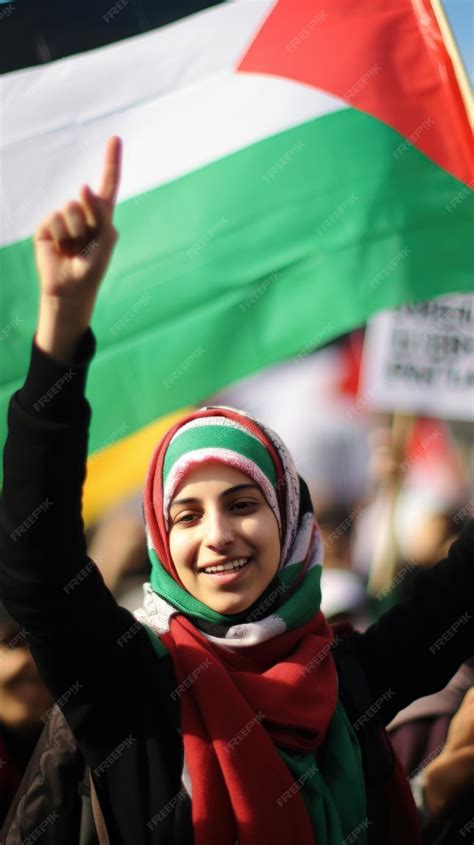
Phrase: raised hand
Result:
[73,248]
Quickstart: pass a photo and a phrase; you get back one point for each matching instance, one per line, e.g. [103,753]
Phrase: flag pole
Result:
[386,554]
[455,56]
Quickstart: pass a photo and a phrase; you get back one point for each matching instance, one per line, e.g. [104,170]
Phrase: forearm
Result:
[41,534]
[49,585]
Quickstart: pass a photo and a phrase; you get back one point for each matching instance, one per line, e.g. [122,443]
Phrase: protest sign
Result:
[420,359]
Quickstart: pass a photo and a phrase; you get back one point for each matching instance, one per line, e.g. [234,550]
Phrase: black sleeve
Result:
[90,652]
[417,646]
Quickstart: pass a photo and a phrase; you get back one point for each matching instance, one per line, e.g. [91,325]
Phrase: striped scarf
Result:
[270,755]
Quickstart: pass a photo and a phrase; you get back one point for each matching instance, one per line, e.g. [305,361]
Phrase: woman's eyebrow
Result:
[238,487]
[227,492]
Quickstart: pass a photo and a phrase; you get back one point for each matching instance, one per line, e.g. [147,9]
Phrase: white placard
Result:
[420,358]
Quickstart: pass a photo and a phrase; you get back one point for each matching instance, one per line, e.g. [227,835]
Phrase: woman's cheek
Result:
[182,545]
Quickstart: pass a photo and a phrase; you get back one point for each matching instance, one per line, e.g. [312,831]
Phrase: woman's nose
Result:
[219,532]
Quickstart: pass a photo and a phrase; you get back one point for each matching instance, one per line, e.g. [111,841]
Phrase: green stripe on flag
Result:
[258,257]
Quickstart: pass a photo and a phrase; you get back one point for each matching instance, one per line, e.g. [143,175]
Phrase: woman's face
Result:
[219,516]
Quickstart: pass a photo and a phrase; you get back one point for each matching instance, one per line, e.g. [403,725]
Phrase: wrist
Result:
[61,324]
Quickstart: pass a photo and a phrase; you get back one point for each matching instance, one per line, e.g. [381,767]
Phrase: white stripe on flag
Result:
[176,108]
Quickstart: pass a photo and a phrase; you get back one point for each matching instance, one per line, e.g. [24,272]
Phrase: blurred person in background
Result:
[344,597]
[434,739]
[434,736]
[117,544]
[419,488]
[24,700]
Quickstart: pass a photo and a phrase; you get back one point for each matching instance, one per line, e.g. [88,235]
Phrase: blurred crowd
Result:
[390,494]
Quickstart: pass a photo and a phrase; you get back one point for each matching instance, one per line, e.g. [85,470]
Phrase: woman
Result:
[227,713]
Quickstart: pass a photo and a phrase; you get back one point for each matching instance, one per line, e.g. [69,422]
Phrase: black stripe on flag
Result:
[33,32]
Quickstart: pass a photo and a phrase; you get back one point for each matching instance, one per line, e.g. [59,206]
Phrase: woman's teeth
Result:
[228,567]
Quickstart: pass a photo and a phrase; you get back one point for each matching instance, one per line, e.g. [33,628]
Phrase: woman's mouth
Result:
[228,572]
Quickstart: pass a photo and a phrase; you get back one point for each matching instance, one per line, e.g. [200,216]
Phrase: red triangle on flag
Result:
[386,58]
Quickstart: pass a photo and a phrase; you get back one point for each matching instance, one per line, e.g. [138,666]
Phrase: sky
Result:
[460,14]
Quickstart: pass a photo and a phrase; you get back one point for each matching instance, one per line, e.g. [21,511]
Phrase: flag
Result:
[288,172]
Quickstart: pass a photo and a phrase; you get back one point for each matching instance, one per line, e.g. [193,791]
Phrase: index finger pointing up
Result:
[111,173]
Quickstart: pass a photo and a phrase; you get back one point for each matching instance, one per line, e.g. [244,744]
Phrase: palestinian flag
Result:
[289,170]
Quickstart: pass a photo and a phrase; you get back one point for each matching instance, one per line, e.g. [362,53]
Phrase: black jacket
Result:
[116,698]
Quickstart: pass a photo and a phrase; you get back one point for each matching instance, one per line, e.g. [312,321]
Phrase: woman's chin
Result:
[229,605]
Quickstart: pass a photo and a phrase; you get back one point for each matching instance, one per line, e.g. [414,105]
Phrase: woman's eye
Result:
[242,505]
[185,517]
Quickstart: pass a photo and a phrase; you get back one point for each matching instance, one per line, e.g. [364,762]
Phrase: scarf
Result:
[270,755]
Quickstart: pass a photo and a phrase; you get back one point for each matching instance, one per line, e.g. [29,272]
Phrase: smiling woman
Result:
[236,559]
[225,710]
[224,537]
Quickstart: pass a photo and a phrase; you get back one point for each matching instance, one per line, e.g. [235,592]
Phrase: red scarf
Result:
[234,708]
